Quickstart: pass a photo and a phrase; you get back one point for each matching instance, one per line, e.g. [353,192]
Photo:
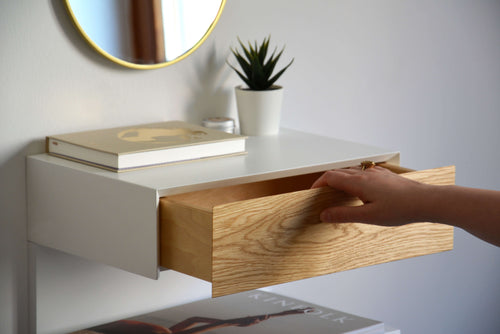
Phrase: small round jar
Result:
[225,124]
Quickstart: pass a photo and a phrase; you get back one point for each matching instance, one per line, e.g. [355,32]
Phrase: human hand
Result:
[388,199]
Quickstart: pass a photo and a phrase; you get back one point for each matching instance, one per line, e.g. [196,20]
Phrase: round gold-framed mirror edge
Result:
[140,66]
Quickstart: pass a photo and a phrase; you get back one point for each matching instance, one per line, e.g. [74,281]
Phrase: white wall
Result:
[422,77]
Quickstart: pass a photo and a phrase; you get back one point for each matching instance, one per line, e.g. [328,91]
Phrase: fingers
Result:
[350,181]
[339,177]
[335,178]
[320,182]
[371,186]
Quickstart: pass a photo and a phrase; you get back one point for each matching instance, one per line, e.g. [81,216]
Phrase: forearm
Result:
[474,210]
[392,200]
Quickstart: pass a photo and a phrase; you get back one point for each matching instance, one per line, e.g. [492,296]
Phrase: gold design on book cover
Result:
[160,135]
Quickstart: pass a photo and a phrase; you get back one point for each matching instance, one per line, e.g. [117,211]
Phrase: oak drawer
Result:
[253,235]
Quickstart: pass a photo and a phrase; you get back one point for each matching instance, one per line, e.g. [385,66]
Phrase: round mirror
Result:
[145,34]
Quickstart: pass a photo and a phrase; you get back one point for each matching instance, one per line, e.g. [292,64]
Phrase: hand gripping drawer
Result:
[253,235]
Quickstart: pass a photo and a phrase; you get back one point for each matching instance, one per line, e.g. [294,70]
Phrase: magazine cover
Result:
[256,312]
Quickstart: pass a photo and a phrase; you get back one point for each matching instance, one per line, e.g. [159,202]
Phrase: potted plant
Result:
[259,103]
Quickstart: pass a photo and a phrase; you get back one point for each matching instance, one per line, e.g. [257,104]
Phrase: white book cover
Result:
[255,312]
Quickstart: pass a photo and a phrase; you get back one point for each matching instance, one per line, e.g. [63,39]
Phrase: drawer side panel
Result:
[186,239]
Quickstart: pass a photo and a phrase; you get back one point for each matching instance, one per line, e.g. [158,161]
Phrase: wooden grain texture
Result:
[278,239]
[186,239]
[259,234]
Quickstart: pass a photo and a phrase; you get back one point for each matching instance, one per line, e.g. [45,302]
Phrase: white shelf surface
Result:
[113,217]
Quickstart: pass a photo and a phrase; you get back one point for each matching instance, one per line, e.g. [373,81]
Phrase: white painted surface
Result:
[419,77]
[112,217]
[291,152]
[90,215]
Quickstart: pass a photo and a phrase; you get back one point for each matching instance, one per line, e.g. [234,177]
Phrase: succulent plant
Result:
[257,67]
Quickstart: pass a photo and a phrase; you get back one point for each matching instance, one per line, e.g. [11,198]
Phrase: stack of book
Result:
[149,145]
[249,312]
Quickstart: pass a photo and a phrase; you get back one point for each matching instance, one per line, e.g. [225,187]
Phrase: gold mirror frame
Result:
[141,66]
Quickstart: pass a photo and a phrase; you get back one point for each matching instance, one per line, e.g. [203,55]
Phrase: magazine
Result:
[255,312]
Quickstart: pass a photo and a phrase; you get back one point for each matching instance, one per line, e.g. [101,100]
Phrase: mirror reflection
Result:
[145,33]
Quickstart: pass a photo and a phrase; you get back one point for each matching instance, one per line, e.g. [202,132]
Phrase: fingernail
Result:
[326,217]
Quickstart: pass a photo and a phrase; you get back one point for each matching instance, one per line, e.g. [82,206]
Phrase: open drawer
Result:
[258,234]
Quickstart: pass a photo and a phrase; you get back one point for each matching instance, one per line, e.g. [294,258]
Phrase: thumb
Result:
[343,214]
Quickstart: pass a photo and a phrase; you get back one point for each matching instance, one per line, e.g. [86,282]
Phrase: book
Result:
[255,312]
[148,145]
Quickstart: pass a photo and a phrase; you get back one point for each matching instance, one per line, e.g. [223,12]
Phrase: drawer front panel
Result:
[244,244]
[278,239]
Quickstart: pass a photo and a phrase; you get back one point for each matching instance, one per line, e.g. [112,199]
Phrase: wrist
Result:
[427,201]
[435,201]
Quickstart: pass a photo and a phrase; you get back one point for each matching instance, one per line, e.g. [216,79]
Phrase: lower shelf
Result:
[259,234]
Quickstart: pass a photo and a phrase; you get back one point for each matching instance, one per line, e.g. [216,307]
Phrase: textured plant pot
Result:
[259,112]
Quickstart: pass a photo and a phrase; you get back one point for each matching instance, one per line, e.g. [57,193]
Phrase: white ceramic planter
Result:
[259,112]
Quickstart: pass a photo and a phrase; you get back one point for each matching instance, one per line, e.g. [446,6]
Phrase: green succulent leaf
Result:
[271,64]
[256,67]
[263,50]
[245,66]
[245,50]
[277,75]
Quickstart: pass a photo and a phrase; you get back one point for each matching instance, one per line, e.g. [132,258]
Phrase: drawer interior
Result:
[207,199]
